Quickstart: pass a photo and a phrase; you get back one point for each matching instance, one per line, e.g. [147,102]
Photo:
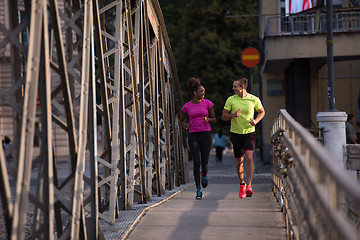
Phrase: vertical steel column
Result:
[47,207]
[28,123]
[161,169]
[160,120]
[16,63]
[124,203]
[175,131]
[78,208]
[93,198]
[144,194]
[5,193]
[127,135]
[62,68]
[159,187]
[165,113]
[109,81]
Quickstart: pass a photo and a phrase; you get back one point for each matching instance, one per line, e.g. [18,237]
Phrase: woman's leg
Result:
[205,147]
[195,153]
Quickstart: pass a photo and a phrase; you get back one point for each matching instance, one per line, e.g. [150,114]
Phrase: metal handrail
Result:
[315,23]
[325,176]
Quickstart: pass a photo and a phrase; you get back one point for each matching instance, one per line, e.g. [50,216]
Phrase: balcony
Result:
[304,36]
[306,24]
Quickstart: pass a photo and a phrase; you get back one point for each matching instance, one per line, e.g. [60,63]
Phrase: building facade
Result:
[294,61]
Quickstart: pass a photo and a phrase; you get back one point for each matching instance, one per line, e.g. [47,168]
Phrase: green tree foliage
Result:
[208,45]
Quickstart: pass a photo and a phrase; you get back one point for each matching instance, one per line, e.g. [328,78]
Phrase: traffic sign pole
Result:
[250,57]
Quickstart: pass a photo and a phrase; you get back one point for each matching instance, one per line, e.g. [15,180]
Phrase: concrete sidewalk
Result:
[221,214]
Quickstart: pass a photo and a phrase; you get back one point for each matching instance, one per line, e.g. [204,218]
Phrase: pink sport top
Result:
[196,113]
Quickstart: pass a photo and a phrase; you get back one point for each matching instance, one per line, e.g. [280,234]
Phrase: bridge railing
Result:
[311,186]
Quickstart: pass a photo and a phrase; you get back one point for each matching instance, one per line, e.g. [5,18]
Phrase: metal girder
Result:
[355,3]
[153,149]
[166,130]
[28,123]
[87,63]
[5,193]
[107,47]
[135,96]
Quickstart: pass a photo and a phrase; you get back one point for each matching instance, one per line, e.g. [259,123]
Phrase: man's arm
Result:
[352,138]
[261,115]
[226,115]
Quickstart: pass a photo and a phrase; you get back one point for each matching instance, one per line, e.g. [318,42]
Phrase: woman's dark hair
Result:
[194,84]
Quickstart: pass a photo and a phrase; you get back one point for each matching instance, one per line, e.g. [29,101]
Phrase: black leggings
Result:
[200,145]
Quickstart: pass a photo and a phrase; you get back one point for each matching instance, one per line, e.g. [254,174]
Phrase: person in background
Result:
[351,136]
[201,113]
[219,143]
[6,142]
[239,108]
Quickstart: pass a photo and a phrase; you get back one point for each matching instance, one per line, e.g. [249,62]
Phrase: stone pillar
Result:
[333,124]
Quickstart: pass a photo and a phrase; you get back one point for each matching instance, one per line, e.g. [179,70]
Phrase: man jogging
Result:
[239,108]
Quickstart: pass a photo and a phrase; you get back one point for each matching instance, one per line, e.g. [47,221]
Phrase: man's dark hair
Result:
[243,81]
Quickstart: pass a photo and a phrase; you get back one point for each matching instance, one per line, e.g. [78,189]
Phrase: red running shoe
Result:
[249,191]
[242,193]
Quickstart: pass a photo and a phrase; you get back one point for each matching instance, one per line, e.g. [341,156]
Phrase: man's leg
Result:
[240,168]
[249,167]
[240,172]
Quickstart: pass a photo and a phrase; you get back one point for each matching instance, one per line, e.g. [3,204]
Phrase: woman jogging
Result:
[201,113]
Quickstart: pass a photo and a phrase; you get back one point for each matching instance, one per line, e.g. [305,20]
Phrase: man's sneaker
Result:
[198,193]
[249,191]
[204,180]
[242,193]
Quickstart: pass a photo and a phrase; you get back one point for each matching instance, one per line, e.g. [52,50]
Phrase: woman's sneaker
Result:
[198,193]
[204,180]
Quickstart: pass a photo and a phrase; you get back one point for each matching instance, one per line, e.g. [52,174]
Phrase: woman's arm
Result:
[182,119]
[211,118]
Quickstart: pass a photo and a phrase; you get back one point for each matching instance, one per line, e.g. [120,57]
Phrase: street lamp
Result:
[330,56]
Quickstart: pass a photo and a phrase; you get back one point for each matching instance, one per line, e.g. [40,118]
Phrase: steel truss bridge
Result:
[80,66]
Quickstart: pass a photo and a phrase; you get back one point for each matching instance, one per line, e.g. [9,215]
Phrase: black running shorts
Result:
[242,143]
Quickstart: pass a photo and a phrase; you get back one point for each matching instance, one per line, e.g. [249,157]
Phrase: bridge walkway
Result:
[220,214]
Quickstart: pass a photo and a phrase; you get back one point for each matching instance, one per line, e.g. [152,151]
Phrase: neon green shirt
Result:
[241,124]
